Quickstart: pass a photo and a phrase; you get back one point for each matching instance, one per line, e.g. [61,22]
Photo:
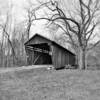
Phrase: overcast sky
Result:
[19,12]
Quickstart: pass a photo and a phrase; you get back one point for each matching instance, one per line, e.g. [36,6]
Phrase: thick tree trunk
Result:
[81,59]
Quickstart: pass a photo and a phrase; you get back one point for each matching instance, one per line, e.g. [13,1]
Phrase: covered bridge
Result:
[41,50]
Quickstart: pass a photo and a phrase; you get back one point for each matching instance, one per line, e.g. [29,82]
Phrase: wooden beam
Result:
[36,59]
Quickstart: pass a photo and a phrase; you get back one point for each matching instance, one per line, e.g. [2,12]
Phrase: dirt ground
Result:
[41,84]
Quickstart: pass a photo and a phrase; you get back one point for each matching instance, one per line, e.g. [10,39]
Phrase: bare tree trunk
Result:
[28,30]
[81,59]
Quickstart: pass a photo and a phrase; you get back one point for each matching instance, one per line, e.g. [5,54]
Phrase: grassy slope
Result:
[40,84]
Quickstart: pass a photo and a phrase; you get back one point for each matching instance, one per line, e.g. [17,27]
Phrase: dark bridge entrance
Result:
[39,54]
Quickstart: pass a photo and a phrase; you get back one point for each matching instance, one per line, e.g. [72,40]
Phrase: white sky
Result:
[18,12]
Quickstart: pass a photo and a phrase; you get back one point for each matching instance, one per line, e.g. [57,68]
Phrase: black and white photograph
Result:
[49,49]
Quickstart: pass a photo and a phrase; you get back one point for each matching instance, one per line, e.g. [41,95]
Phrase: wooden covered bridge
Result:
[41,50]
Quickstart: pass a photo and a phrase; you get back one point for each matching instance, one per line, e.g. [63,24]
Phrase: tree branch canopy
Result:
[81,26]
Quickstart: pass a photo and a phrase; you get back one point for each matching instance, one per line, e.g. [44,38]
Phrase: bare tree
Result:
[28,21]
[7,46]
[12,51]
[18,39]
[79,26]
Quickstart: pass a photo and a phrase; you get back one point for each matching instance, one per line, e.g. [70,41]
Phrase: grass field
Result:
[40,84]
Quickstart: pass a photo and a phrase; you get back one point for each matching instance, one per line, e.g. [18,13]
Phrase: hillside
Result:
[40,84]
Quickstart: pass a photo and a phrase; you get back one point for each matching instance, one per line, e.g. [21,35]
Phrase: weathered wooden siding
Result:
[62,57]
[72,59]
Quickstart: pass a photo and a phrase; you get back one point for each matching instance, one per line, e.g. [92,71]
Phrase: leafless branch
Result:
[94,45]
